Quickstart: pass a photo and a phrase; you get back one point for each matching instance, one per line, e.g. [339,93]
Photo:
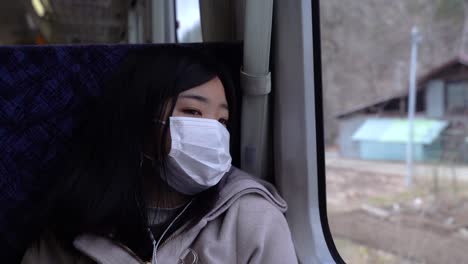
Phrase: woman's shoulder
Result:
[259,229]
[255,205]
[255,214]
[239,184]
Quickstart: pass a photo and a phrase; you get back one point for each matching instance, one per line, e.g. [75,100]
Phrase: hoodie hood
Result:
[236,184]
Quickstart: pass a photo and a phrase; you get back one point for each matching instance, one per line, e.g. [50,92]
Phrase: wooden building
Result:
[380,130]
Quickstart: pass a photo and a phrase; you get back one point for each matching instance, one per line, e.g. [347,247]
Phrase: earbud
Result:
[157,121]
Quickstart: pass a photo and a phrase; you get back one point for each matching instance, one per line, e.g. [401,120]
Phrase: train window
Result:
[68,22]
[97,22]
[188,21]
[396,130]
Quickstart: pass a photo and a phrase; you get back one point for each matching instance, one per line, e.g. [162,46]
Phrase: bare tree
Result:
[464,37]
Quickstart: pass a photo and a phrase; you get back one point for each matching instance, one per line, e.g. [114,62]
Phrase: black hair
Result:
[101,192]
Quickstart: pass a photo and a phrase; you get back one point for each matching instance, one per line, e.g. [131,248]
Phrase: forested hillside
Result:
[366,47]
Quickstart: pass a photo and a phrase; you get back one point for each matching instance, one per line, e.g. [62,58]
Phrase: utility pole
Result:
[415,40]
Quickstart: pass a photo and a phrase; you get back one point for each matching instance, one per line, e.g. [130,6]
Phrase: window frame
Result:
[299,142]
[447,87]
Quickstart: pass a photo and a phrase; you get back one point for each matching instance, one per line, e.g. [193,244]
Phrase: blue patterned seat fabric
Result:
[42,92]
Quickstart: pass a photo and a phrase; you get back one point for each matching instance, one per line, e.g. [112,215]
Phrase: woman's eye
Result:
[223,121]
[192,112]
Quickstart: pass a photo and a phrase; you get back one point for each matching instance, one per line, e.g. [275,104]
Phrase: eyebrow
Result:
[201,99]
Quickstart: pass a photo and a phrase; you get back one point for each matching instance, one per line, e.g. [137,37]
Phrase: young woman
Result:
[152,180]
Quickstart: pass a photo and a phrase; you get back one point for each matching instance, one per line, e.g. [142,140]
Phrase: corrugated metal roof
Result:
[395,130]
[461,59]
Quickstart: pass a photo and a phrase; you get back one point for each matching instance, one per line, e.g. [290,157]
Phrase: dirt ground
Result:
[375,218]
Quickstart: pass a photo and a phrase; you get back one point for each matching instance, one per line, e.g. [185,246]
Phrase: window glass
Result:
[63,22]
[390,201]
[456,97]
[188,21]
[98,22]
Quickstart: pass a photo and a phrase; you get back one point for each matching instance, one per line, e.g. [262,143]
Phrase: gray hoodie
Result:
[246,225]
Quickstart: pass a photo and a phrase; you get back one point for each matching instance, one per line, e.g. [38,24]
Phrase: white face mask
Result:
[199,155]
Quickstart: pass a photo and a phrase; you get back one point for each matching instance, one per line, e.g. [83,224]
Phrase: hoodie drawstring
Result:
[156,244]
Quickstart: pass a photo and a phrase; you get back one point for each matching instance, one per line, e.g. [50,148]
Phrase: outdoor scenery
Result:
[381,210]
